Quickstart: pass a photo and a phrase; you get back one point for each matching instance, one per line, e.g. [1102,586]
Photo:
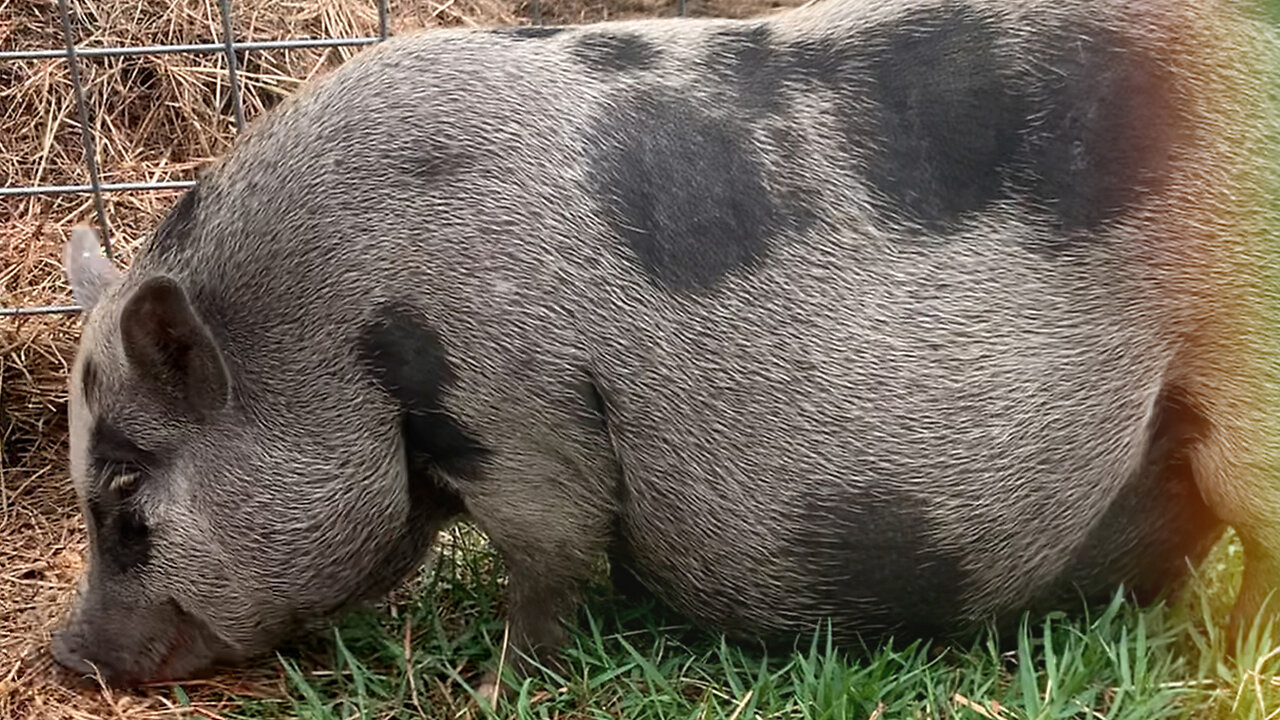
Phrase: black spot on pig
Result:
[123,539]
[1104,130]
[948,120]
[743,58]
[530,32]
[880,557]
[685,190]
[947,126]
[407,358]
[615,52]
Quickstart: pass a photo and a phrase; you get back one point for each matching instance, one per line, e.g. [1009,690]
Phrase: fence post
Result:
[228,39]
[86,130]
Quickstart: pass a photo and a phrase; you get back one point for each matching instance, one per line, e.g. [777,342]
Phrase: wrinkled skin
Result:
[902,316]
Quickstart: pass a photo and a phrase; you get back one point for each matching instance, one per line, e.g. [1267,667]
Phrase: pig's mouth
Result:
[192,649]
[179,640]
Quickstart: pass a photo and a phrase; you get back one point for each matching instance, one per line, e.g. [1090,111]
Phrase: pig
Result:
[901,319]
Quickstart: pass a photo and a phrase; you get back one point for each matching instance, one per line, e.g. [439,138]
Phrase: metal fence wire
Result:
[226,44]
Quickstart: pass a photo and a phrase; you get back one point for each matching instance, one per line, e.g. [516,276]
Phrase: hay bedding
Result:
[155,118]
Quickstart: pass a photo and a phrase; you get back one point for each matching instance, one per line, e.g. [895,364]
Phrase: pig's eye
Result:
[124,482]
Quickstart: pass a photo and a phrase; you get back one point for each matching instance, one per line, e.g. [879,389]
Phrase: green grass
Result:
[634,661]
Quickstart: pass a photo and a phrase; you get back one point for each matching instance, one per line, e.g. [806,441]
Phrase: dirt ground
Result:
[154,118]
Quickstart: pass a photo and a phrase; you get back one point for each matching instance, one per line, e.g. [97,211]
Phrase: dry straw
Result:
[155,118]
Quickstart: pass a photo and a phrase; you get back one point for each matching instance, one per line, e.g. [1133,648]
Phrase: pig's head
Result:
[216,529]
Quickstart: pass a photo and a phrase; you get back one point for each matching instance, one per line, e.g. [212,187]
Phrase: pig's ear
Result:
[88,272]
[169,346]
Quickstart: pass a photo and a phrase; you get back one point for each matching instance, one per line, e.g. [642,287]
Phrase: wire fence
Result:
[227,45]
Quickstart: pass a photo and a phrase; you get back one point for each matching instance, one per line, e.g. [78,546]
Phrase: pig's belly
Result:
[768,559]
